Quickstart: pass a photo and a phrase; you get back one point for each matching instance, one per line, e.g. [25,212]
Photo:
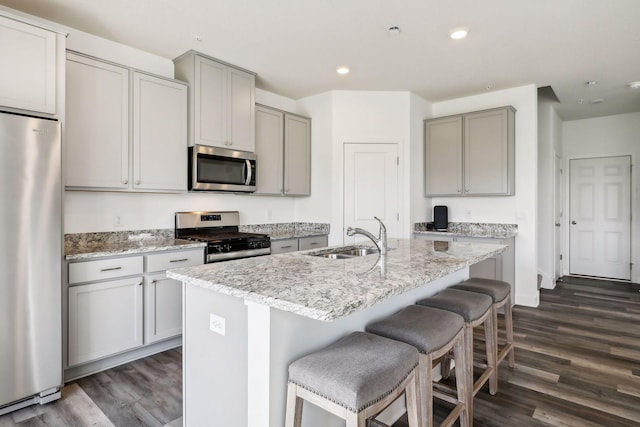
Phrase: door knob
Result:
[573,222]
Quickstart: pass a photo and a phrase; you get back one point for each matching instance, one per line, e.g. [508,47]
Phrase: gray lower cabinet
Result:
[104,318]
[471,154]
[298,244]
[118,304]
[283,147]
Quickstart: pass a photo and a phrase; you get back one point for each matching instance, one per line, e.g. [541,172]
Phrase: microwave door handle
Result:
[249,174]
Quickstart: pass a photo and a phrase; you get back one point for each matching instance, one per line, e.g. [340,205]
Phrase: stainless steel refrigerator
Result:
[30,261]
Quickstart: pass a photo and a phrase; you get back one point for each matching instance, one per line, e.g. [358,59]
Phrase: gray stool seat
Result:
[469,305]
[496,289]
[355,371]
[426,328]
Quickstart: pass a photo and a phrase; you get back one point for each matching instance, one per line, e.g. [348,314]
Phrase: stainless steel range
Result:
[220,231]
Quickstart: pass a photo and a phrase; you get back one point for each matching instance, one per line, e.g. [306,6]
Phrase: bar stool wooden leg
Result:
[508,322]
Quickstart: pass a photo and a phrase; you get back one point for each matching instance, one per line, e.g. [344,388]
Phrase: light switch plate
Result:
[217,324]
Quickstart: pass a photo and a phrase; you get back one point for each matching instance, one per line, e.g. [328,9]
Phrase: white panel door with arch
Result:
[371,188]
[600,217]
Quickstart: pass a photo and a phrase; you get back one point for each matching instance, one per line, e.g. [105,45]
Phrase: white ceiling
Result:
[296,45]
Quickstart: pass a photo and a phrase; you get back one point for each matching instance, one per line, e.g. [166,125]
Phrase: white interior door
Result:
[600,217]
[558,216]
[371,188]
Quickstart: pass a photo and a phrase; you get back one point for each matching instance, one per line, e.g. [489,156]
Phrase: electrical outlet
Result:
[269,215]
[217,324]
[117,221]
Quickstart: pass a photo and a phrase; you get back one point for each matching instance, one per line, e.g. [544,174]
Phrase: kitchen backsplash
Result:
[472,228]
[288,229]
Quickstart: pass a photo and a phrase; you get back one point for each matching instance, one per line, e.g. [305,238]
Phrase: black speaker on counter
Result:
[440,217]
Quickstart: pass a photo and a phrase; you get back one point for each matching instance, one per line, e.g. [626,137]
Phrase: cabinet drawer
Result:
[283,246]
[104,269]
[169,260]
[313,242]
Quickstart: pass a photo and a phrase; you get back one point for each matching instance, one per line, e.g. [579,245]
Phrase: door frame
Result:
[558,204]
[635,273]
[401,174]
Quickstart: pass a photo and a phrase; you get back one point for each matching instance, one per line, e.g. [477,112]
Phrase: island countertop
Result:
[328,289]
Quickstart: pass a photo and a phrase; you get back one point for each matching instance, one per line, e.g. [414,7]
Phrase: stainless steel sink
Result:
[359,251]
[344,252]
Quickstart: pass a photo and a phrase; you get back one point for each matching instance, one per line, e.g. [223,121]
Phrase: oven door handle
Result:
[248,173]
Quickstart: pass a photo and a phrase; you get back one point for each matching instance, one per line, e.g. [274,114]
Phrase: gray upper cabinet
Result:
[471,154]
[297,155]
[125,130]
[222,104]
[28,77]
[269,149]
[97,128]
[283,147]
[443,161]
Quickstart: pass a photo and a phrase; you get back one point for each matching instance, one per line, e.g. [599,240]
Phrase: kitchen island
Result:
[246,320]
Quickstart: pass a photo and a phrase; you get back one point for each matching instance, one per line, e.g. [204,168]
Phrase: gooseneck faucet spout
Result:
[380,241]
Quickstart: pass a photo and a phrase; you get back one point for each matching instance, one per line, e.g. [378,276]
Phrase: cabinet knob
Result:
[137,182]
[125,181]
[573,222]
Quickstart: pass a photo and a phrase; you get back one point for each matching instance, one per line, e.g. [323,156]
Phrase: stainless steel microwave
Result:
[218,169]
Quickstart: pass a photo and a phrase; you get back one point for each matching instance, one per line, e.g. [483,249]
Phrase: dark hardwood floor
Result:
[146,392]
[577,364]
[577,360]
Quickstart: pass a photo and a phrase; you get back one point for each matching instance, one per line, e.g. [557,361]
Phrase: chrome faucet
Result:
[380,241]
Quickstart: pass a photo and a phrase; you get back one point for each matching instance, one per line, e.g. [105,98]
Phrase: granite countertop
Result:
[470,229]
[94,245]
[328,289]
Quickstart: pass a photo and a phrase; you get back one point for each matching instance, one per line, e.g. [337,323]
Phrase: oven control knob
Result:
[217,248]
[227,248]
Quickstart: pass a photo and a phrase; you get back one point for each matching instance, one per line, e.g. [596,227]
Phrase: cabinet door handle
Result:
[179,260]
[313,243]
[153,282]
[137,182]
[285,247]
[573,222]
[125,181]
[111,269]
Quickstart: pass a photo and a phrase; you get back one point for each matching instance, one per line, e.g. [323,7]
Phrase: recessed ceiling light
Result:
[342,70]
[597,101]
[459,33]
[591,83]
[634,85]
[393,31]
[580,101]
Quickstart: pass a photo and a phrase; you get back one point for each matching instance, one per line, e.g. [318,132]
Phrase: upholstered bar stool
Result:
[500,293]
[434,333]
[355,378]
[475,309]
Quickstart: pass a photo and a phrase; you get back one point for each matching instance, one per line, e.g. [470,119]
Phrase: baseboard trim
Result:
[75,372]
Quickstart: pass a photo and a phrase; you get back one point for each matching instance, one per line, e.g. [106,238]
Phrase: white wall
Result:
[317,208]
[520,208]
[601,137]
[549,132]
[341,117]
[420,206]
